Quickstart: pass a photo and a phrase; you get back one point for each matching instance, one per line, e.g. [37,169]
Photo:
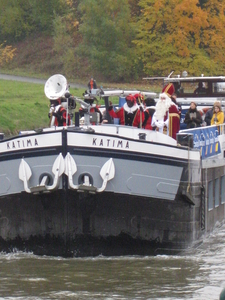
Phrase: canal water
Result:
[196,274]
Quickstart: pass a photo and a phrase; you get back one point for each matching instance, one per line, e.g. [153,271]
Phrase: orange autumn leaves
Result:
[6,53]
[180,34]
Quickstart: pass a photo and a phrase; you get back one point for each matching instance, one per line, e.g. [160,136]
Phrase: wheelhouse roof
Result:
[189,79]
[196,79]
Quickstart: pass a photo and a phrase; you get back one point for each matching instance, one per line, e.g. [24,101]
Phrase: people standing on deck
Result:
[166,118]
[174,99]
[58,113]
[208,116]
[193,117]
[129,113]
[94,108]
[92,84]
[140,114]
[149,110]
[218,115]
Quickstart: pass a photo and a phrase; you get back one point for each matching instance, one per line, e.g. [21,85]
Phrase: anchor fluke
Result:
[25,174]
[107,173]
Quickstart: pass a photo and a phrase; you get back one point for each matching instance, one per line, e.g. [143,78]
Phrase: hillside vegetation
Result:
[114,41]
[35,57]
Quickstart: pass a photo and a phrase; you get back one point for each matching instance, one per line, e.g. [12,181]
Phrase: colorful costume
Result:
[58,114]
[148,112]
[166,117]
[128,115]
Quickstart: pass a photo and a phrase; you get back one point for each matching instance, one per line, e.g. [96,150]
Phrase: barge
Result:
[109,189]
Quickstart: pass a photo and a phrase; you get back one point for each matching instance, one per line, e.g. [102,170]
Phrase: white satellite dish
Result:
[55,87]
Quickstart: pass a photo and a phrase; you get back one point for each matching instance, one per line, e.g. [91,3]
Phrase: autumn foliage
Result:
[123,40]
[6,53]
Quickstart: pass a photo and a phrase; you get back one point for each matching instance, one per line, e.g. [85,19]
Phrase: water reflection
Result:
[198,274]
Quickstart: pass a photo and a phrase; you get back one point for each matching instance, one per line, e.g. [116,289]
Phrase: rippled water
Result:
[198,274]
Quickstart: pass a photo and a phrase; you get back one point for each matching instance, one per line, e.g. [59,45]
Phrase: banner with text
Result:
[206,139]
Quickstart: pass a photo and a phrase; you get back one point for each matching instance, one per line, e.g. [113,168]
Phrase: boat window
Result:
[219,87]
[191,88]
[210,195]
[222,186]
[217,192]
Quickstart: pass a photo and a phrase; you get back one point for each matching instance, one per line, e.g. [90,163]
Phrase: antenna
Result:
[55,87]
[170,74]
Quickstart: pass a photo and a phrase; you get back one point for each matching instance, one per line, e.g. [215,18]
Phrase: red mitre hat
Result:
[169,89]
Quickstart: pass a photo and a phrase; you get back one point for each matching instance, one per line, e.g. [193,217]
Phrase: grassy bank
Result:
[24,106]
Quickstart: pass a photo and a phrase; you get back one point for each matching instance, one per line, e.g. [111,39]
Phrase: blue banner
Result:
[206,139]
[182,117]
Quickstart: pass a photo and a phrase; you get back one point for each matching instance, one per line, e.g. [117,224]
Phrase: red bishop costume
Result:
[166,117]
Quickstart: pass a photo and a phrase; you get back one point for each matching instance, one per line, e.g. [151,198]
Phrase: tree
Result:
[107,34]
[66,39]
[21,18]
[213,37]
[171,36]
[15,19]
[6,53]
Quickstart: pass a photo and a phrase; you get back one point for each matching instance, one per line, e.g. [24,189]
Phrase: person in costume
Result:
[140,115]
[93,108]
[193,117]
[166,118]
[129,114]
[58,113]
[149,110]
[218,115]
[174,99]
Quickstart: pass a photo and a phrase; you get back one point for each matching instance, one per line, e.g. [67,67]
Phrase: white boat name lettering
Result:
[22,144]
[110,143]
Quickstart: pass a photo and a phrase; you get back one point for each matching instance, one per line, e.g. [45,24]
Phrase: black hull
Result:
[71,224]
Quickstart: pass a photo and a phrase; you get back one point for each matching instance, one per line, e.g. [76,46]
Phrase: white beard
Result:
[162,106]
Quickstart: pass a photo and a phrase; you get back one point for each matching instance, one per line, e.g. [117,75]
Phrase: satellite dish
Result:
[55,87]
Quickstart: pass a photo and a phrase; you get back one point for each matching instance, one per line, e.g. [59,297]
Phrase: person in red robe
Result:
[129,114]
[166,118]
[149,110]
[58,113]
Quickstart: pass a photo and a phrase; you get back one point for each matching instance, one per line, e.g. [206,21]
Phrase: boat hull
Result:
[73,192]
[80,224]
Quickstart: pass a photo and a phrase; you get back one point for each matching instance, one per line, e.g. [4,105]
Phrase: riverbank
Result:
[20,75]
[35,80]
[24,105]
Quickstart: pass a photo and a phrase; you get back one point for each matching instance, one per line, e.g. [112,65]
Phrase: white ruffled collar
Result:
[130,109]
